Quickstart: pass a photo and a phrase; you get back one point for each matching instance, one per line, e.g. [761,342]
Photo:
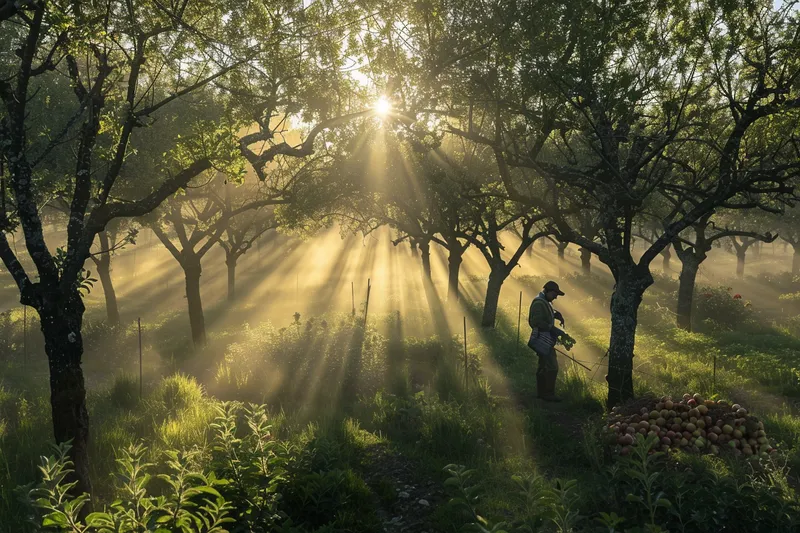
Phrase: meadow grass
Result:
[335,388]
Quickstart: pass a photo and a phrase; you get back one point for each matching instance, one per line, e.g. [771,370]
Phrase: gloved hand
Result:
[558,316]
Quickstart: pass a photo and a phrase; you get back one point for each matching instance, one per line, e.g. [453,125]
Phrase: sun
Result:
[382,106]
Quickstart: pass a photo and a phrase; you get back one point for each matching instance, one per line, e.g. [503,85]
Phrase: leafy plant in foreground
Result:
[190,503]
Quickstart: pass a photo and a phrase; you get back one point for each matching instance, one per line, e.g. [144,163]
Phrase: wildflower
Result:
[737,296]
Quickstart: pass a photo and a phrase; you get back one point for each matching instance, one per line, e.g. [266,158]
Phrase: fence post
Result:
[139,326]
[366,304]
[519,319]
[714,381]
[466,361]
[24,335]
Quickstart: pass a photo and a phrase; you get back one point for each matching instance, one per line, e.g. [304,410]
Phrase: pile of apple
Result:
[691,424]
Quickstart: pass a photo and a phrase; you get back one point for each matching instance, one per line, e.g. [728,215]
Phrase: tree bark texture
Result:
[496,278]
[192,271]
[61,319]
[103,264]
[625,302]
[687,280]
[454,260]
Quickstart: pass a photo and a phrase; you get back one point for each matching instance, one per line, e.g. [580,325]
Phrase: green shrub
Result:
[124,391]
[178,392]
[187,503]
[717,308]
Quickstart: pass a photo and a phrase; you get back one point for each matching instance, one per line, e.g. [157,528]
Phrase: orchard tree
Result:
[242,230]
[606,111]
[191,224]
[692,247]
[787,225]
[125,62]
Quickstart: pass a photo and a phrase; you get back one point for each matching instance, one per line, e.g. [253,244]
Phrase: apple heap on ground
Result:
[691,424]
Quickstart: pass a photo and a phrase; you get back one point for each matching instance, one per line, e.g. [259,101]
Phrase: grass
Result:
[334,389]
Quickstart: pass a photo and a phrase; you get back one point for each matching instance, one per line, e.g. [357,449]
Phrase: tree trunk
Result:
[796,260]
[667,256]
[230,262]
[586,261]
[688,277]
[425,249]
[561,247]
[192,270]
[103,263]
[61,318]
[104,273]
[496,278]
[740,257]
[454,260]
[625,303]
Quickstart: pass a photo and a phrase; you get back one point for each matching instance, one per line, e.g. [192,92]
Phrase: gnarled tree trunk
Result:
[425,251]
[497,276]
[561,246]
[687,280]
[230,262]
[666,255]
[628,292]
[192,270]
[740,259]
[103,264]
[454,260]
[61,317]
[586,261]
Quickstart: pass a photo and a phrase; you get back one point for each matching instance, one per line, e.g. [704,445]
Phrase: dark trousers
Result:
[546,374]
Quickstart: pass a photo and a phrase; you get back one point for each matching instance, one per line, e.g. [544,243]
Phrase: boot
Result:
[550,388]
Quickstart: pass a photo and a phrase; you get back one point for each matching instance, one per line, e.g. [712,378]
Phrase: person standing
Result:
[544,334]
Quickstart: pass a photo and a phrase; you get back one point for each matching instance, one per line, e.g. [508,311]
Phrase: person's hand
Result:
[558,316]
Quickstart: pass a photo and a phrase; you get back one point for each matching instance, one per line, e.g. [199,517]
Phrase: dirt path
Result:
[407,496]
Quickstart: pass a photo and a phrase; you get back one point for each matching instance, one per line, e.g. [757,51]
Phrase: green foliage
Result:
[190,503]
[124,391]
[718,308]
[84,283]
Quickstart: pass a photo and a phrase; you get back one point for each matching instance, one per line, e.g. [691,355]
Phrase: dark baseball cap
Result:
[553,286]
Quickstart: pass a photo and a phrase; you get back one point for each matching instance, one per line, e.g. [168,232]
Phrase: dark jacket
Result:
[541,315]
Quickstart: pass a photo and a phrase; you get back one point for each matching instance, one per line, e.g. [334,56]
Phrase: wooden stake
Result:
[714,382]
[366,305]
[139,325]
[25,335]
[519,319]
[466,361]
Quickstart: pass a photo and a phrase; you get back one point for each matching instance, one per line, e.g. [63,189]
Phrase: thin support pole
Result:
[25,335]
[714,382]
[139,326]
[366,304]
[519,318]
[466,358]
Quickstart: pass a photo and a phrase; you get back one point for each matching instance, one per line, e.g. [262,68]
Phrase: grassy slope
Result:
[496,426]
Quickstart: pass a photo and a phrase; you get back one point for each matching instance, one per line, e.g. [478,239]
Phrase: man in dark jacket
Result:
[541,319]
